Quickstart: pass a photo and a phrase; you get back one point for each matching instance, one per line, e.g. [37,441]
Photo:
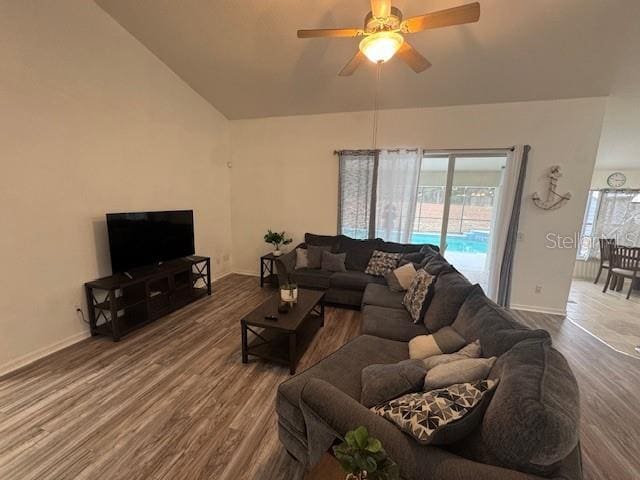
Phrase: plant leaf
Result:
[373,445]
[361,436]
[350,438]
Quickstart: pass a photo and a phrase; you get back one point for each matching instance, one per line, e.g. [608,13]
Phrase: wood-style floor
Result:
[174,401]
[609,316]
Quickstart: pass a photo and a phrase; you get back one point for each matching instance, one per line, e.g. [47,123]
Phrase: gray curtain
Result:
[506,270]
[357,193]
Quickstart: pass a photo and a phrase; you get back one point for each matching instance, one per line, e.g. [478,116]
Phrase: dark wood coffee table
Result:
[283,340]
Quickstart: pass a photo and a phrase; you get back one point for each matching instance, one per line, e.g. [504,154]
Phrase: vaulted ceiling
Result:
[245,59]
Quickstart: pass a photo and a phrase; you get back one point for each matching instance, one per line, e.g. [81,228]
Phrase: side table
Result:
[268,272]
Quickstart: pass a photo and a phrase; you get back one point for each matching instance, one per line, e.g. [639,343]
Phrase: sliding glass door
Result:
[472,214]
[445,198]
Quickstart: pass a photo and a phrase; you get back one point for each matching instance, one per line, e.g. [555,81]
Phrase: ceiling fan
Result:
[384,29]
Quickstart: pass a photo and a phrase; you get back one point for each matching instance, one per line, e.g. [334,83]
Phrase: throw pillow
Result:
[302,259]
[445,340]
[473,350]
[460,371]
[399,280]
[381,383]
[442,416]
[381,263]
[418,296]
[333,262]
[314,255]
[450,290]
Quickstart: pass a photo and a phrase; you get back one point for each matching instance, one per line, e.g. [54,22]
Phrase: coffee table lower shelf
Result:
[280,346]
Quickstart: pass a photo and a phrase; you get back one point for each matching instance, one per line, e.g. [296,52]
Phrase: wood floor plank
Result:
[173,400]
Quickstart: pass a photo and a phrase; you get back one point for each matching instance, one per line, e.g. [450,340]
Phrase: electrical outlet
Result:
[538,288]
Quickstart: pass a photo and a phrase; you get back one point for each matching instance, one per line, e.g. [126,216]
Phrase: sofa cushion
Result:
[533,420]
[440,416]
[382,296]
[450,290]
[495,327]
[358,252]
[382,263]
[437,264]
[391,323]
[472,350]
[353,280]
[314,255]
[383,382]
[395,247]
[459,371]
[323,240]
[341,369]
[445,340]
[333,262]
[311,278]
[501,341]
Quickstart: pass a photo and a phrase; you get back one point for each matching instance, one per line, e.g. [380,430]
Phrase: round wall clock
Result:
[616,180]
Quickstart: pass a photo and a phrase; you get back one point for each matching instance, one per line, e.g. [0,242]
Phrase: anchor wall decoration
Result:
[554,199]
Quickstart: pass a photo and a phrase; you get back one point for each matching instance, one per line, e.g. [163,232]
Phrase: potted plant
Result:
[362,457]
[289,293]
[276,239]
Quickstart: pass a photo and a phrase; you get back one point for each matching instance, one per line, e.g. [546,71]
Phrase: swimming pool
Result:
[471,242]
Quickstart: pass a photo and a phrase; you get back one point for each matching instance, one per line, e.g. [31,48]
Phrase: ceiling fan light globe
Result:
[382,46]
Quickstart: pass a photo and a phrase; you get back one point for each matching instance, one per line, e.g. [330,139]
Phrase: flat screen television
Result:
[138,239]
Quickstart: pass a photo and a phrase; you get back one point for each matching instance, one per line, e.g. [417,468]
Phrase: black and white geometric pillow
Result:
[418,296]
[382,263]
[427,415]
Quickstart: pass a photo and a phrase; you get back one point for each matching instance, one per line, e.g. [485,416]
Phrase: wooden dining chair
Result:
[605,255]
[624,263]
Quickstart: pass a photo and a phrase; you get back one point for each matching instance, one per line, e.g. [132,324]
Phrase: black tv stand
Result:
[122,303]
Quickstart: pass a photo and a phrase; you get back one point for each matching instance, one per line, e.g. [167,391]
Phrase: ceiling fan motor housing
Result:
[392,22]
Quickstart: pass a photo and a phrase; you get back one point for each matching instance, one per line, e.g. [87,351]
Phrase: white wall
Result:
[285,175]
[90,122]
[620,144]
[600,176]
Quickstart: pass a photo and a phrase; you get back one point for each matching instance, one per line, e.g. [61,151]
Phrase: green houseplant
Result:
[276,239]
[362,457]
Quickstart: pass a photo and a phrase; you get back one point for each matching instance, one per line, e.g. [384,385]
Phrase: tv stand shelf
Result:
[120,304]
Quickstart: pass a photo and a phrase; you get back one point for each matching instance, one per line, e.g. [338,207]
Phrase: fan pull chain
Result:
[375,105]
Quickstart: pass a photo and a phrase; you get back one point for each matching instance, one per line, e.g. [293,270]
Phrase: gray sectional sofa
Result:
[342,288]
[529,430]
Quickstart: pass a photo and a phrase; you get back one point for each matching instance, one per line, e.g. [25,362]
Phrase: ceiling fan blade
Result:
[381,8]
[444,18]
[413,58]
[353,64]
[331,32]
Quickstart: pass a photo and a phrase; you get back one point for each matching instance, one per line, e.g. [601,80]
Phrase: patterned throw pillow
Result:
[382,262]
[440,416]
[416,300]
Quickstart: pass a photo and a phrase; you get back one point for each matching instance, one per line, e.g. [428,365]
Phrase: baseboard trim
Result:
[532,308]
[246,272]
[24,360]
[221,276]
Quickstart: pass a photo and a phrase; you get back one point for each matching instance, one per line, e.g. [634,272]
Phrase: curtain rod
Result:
[441,151]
